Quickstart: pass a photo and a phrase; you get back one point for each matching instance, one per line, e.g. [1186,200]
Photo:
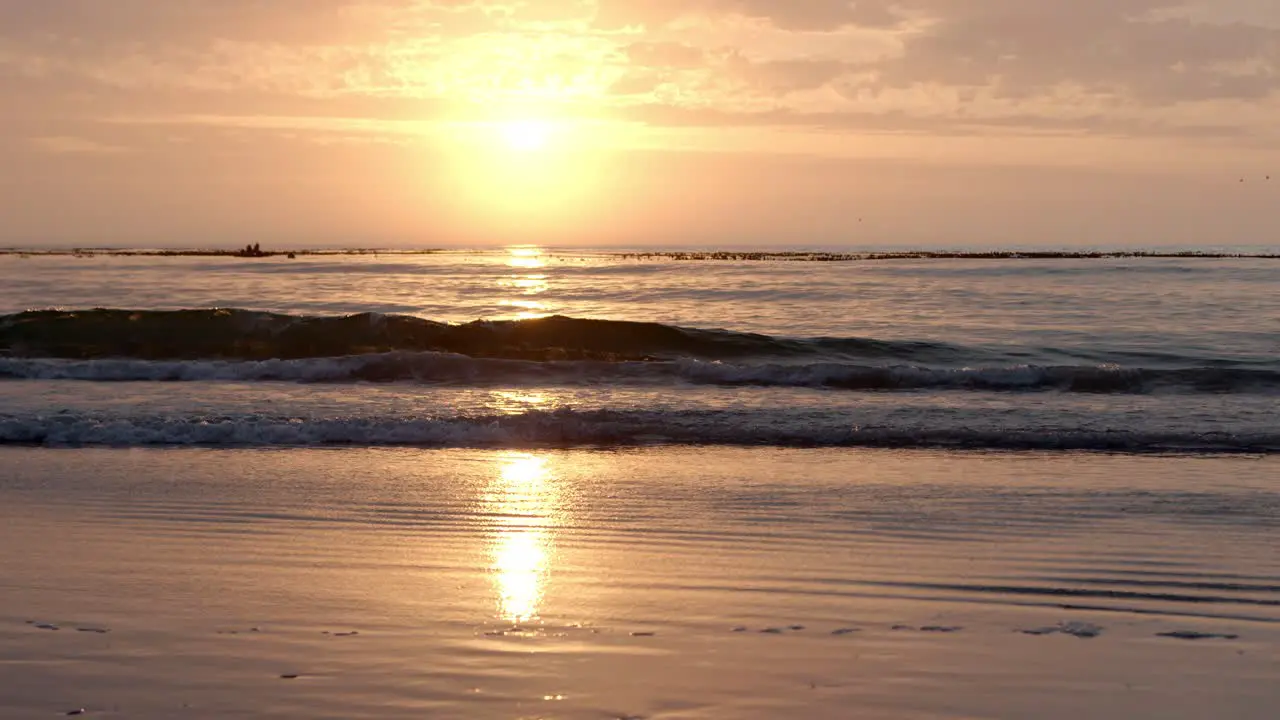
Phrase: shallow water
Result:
[655,583]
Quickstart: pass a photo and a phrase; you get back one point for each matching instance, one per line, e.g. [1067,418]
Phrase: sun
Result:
[526,135]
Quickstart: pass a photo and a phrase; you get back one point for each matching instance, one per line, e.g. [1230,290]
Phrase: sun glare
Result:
[523,501]
[528,257]
[526,135]
[531,177]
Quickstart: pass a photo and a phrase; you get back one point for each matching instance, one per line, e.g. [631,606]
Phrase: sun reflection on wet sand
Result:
[523,503]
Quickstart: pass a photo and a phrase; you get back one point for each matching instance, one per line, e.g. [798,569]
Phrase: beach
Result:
[639,360]
[658,582]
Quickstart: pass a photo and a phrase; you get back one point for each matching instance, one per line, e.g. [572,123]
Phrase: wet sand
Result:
[655,583]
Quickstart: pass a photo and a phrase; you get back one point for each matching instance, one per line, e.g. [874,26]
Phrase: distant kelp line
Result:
[937,255]
[243,252]
[668,255]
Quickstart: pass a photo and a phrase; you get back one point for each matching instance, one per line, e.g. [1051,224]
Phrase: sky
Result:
[816,123]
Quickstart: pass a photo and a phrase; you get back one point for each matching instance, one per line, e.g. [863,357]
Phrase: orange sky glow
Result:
[629,122]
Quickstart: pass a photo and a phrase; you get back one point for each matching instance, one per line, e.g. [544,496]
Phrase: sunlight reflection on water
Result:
[518,402]
[526,284]
[526,257]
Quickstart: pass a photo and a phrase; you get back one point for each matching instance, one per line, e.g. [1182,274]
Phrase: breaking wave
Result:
[454,369]
[252,335]
[613,428]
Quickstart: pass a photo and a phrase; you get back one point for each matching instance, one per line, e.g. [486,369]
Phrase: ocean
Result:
[1135,354]
[538,483]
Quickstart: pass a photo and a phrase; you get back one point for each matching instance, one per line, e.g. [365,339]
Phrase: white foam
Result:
[431,367]
[590,427]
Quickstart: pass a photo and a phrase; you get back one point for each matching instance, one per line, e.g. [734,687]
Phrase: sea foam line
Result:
[609,428]
[453,369]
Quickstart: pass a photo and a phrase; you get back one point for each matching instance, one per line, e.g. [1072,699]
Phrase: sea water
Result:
[534,347]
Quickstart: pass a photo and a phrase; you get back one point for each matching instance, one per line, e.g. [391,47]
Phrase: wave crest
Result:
[453,369]
[613,428]
[252,335]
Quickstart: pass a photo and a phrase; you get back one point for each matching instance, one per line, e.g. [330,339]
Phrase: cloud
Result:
[783,77]
[550,11]
[185,21]
[665,55]
[71,145]
[1159,66]
[800,15]
[1120,48]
